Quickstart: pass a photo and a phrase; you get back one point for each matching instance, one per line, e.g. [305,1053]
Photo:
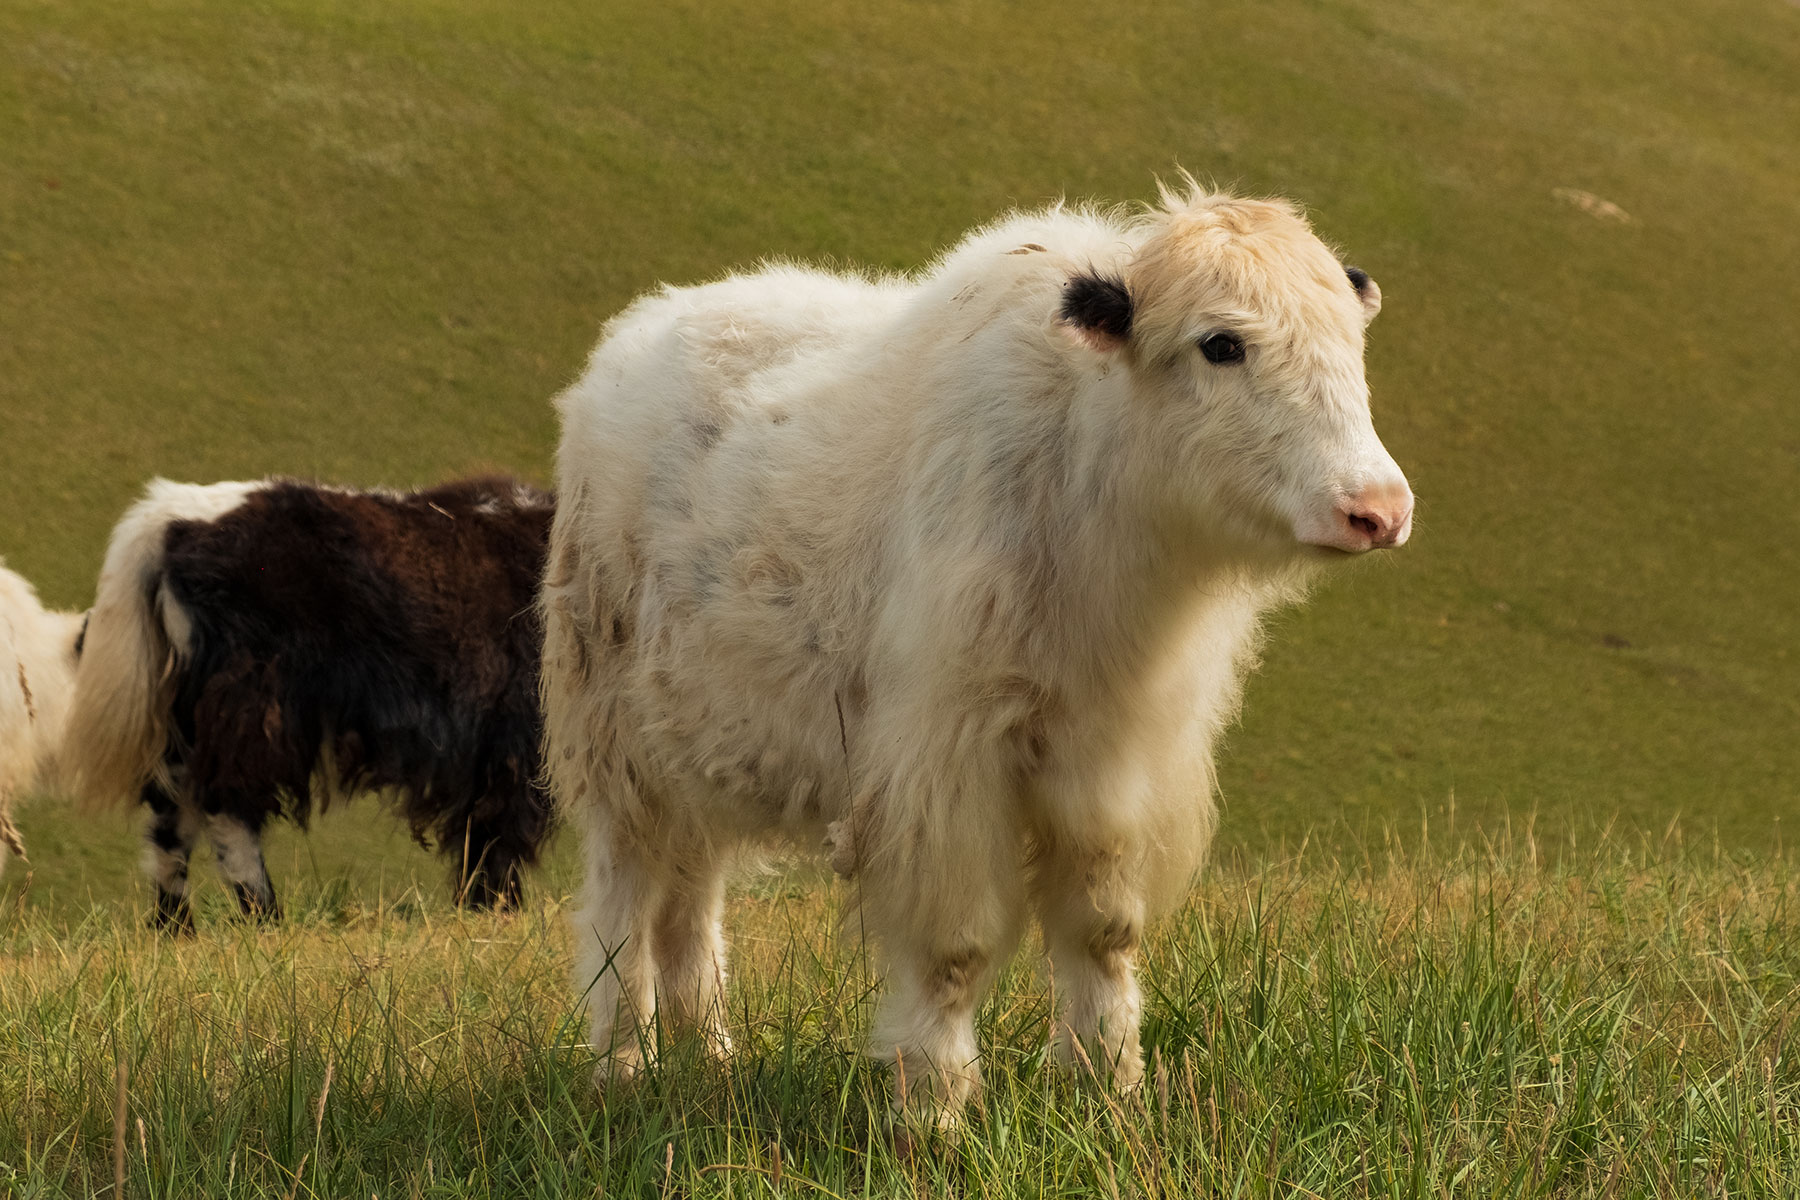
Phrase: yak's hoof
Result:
[257,905]
[840,848]
[174,921]
[617,1073]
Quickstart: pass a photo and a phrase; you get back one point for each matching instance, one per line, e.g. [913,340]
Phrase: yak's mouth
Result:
[1375,518]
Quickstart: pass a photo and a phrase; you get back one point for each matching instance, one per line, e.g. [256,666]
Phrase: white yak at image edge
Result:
[38,649]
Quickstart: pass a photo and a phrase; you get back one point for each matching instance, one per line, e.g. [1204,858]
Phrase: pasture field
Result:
[367,243]
[1498,1023]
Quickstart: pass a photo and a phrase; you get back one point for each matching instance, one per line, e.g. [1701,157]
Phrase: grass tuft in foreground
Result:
[1610,1024]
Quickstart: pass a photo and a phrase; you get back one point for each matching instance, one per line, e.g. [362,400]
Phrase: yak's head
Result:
[1242,336]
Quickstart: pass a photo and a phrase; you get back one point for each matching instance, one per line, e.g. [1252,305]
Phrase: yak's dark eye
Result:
[1223,348]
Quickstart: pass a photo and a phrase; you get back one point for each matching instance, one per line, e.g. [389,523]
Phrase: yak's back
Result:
[353,568]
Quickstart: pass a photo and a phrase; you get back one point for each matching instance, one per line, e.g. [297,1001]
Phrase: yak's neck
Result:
[1137,591]
[1146,594]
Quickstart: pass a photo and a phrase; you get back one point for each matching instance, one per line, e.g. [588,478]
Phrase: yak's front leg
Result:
[940,880]
[237,850]
[1093,918]
[488,871]
[169,840]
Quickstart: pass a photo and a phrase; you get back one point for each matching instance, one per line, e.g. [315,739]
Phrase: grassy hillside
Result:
[1486,1026]
[369,242]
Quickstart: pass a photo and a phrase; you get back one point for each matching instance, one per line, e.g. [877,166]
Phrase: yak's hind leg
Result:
[11,842]
[690,950]
[615,956]
[237,850]
[169,841]
[1093,918]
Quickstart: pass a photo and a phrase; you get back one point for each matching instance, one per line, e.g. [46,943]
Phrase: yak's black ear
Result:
[1367,290]
[1097,308]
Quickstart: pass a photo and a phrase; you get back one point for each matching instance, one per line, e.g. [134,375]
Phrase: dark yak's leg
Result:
[500,837]
[168,844]
[488,865]
[237,849]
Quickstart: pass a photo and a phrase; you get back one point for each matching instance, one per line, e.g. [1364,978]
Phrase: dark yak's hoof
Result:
[173,916]
[479,895]
[257,905]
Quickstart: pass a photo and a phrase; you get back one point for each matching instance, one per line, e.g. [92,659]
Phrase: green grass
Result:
[1495,1024]
[370,242]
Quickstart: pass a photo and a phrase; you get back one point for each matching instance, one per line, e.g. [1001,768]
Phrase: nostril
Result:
[1367,526]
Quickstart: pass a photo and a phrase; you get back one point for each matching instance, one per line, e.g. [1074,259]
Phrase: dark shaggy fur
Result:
[378,641]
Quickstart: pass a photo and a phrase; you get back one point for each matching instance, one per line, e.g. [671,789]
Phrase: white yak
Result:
[963,571]
[37,670]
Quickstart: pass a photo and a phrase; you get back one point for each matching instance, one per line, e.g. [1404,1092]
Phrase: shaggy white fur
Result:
[37,667]
[965,570]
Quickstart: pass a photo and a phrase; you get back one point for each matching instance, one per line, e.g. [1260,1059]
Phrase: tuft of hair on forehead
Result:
[1241,214]
[1254,266]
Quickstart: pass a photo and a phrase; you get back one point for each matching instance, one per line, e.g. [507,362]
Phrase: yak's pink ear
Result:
[1097,310]
[1367,290]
